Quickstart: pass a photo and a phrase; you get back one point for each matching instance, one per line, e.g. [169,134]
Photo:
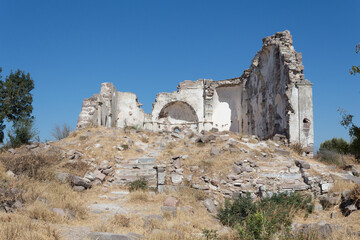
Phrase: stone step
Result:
[135,166]
[141,160]
[135,176]
[282,175]
[272,169]
[146,160]
[135,172]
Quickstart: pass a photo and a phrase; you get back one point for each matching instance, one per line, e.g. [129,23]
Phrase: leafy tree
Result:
[15,100]
[354,132]
[61,132]
[347,119]
[338,145]
[356,69]
[21,133]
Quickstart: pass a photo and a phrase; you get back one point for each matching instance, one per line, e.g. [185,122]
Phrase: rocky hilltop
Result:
[78,187]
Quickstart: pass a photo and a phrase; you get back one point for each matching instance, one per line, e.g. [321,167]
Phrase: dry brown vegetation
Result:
[341,185]
[18,226]
[34,165]
[40,194]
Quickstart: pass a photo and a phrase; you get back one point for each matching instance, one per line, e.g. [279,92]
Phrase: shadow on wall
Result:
[179,111]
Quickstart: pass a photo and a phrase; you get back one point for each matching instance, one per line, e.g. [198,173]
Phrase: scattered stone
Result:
[214,151]
[78,181]
[282,152]
[302,164]
[96,182]
[349,209]
[70,214]
[135,236]
[91,176]
[194,168]
[11,150]
[99,175]
[150,218]
[210,206]
[171,202]
[325,187]
[188,209]
[318,207]
[98,145]
[168,210]
[62,177]
[18,205]
[10,174]
[236,169]
[330,200]
[234,150]
[176,178]
[108,236]
[59,211]
[78,188]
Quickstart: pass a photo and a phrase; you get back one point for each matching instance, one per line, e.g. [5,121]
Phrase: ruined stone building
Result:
[271,97]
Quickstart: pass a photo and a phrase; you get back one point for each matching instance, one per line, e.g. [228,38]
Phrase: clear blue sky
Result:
[146,47]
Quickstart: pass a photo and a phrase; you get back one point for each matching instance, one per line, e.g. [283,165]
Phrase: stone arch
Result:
[176,129]
[179,110]
[306,126]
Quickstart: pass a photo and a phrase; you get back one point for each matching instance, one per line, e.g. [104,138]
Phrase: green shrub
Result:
[262,219]
[210,234]
[125,146]
[138,184]
[329,157]
[354,147]
[254,227]
[337,145]
[21,133]
[236,211]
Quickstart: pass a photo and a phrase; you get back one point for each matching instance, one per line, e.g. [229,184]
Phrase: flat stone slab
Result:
[108,236]
[107,207]
[146,160]
[73,233]
[120,193]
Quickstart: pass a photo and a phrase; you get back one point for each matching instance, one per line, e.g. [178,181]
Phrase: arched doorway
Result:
[179,111]
[178,115]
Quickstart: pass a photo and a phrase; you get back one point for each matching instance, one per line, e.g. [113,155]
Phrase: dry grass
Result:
[355,193]
[19,226]
[41,195]
[77,168]
[341,185]
[297,148]
[41,211]
[190,196]
[84,140]
[139,196]
[164,235]
[3,176]
[121,220]
[35,165]
[120,224]
[190,220]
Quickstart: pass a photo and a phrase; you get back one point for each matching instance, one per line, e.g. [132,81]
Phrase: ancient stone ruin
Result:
[271,97]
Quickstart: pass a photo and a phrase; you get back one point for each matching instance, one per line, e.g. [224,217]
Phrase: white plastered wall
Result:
[227,108]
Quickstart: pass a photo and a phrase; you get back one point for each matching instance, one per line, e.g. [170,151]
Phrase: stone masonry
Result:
[271,97]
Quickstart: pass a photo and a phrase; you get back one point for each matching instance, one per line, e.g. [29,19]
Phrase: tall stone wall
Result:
[271,97]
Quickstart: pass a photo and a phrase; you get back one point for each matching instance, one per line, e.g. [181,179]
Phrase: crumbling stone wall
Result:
[271,97]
